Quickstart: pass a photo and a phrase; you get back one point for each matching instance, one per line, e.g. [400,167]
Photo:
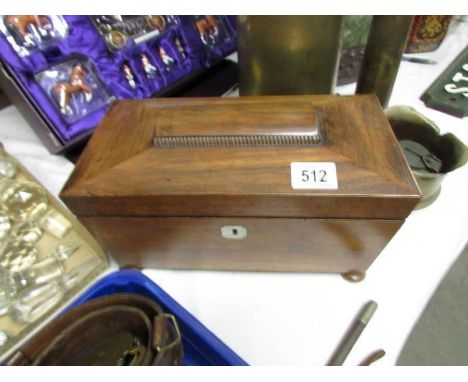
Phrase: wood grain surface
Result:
[122,174]
[292,245]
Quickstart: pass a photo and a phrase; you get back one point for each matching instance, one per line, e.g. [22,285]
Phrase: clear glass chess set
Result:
[46,257]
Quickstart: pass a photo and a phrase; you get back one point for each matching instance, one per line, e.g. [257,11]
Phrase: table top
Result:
[298,319]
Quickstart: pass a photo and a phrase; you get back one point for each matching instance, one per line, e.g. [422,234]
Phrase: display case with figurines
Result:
[64,87]
[46,255]
[75,88]
[27,33]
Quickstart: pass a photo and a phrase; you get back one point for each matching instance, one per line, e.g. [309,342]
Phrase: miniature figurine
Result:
[129,76]
[168,61]
[150,70]
[76,83]
[209,30]
[31,28]
[180,47]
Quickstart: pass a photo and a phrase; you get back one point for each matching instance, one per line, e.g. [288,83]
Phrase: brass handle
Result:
[159,347]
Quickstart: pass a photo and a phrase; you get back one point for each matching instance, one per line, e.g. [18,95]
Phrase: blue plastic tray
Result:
[201,347]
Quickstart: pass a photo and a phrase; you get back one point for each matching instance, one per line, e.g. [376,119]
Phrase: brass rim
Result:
[117,39]
[156,22]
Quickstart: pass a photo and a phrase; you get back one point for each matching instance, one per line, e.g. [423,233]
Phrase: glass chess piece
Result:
[3,338]
[51,221]
[5,226]
[32,303]
[26,200]
[50,268]
[27,231]
[20,199]
[8,167]
[17,255]
[7,291]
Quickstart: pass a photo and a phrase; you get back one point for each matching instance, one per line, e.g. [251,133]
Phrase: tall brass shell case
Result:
[281,55]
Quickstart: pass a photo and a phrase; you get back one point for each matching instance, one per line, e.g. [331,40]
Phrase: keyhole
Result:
[235,232]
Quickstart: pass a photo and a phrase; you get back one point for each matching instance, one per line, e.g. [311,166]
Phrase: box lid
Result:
[233,156]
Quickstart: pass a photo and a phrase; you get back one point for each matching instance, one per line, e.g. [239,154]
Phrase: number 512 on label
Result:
[314,176]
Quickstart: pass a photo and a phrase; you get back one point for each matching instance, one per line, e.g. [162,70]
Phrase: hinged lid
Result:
[233,156]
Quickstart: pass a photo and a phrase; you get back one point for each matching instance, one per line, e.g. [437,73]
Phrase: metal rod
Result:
[352,334]
[373,357]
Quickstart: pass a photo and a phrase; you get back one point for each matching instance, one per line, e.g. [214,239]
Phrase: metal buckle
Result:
[132,357]
[159,347]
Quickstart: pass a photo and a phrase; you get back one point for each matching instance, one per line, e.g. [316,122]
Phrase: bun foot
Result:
[354,276]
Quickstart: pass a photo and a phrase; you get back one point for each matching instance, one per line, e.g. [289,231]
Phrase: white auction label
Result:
[314,176]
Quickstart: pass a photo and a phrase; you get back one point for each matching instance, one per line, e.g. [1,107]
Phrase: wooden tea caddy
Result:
[205,183]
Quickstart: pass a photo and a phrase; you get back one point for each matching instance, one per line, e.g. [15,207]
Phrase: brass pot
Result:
[411,126]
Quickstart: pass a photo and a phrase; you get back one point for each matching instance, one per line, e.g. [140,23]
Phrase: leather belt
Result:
[120,329]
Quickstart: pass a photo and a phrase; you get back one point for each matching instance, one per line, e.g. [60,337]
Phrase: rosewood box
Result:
[285,183]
